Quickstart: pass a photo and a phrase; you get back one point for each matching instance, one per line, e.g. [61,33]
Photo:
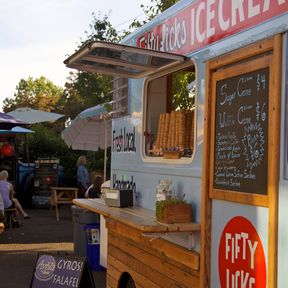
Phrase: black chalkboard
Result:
[241,133]
[61,271]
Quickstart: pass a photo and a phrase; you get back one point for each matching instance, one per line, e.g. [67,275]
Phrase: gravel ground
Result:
[41,233]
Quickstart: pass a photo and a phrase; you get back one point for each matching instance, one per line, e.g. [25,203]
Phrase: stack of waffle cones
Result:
[175,130]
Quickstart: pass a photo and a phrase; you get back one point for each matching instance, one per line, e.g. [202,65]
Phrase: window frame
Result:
[121,60]
[183,160]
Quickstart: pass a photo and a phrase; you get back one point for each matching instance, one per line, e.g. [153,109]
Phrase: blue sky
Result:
[37,35]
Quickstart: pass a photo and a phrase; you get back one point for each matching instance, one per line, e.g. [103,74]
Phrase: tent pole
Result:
[27,154]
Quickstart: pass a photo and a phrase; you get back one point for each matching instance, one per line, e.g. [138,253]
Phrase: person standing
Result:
[83,177]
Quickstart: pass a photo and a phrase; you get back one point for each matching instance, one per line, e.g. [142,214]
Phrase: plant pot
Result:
[176,213]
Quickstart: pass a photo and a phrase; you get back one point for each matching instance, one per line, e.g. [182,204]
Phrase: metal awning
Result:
[121,60]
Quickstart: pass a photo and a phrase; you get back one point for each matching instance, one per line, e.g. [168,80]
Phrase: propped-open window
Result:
[170,114]
[121,60]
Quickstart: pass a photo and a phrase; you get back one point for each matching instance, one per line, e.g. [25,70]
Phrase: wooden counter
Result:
[136,217]
[136,248]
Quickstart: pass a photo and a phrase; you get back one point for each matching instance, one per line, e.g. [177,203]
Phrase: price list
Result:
[241,133]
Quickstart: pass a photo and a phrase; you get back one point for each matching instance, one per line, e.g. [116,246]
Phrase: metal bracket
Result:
[191,237]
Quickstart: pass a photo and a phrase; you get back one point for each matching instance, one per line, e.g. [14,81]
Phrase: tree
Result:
[46,142]
[153,10]
[85,89]
[101,30]
[82,90]
[39,93]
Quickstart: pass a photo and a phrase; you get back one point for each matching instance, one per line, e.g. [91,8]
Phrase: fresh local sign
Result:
[241,259]
[207,21]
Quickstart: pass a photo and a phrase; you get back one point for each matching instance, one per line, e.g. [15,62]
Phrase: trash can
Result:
[93,245]
[81,217]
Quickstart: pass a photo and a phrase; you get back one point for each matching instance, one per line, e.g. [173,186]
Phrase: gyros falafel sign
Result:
[58,271]
[241,258]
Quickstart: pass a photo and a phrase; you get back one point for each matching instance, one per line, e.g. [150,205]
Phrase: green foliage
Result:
[183,97]
[84,90]
[43,141]
[163,203]
[157,7]
[101,29]
[39,93]
[46,143]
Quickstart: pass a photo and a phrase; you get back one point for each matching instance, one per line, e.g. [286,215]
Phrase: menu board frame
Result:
[241,131]
[227,73]
[271,48]
[244,67]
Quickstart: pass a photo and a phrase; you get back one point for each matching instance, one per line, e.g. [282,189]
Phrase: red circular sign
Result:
[241,259]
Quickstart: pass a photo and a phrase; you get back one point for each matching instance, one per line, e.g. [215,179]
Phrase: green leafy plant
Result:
[160,205]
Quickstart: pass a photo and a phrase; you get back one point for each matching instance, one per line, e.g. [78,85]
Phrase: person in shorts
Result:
[9,201]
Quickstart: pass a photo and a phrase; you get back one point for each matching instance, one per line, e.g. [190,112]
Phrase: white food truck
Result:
[200,98]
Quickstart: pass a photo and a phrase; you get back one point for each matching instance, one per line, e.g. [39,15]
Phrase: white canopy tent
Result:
[90,130]
[32,116]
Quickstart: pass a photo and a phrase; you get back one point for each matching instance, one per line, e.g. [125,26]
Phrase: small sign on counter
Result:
[118,197]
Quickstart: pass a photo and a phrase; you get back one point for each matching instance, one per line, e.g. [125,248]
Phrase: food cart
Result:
[226,149]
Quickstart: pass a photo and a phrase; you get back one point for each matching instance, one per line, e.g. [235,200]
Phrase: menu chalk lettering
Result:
[241,133]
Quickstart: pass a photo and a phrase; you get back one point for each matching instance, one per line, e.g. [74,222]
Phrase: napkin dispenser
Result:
[118,197]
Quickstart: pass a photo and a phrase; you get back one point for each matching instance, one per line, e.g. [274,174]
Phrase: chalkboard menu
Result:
[61,271]
[241,133]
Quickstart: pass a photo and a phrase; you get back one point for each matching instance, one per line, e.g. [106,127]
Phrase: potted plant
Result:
[173,210]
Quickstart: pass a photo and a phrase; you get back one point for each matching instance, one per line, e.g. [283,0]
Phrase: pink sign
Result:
[241,259]
[207,21]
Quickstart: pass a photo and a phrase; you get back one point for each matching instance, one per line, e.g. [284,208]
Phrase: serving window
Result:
[170,114]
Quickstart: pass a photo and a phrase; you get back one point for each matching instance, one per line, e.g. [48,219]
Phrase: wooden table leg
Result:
[57,211]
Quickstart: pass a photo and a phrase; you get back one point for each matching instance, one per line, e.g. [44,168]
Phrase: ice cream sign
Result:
[207,21]
[241,259]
